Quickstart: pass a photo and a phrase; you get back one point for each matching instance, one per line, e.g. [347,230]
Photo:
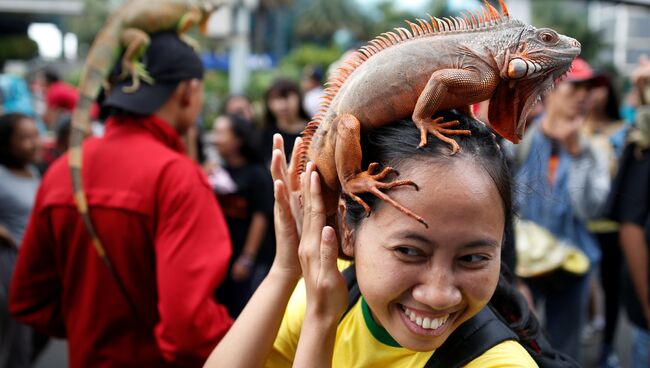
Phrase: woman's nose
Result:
[438,291]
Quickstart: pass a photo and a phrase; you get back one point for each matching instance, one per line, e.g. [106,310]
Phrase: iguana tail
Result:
[102,56]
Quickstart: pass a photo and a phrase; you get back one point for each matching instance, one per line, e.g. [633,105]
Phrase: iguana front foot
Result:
[439,128]
[369,182]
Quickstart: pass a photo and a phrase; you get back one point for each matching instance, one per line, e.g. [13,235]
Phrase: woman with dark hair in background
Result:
[606,131]
[19,181]
[245,191]
[284,114]
[238,104]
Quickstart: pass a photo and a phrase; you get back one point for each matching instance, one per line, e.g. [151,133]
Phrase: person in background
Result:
[19,181]
[247,202]
[563,182]
[312,89]
[159,223]
[629,204]
[237,104]
[603,126]
[60,98]
[284,115]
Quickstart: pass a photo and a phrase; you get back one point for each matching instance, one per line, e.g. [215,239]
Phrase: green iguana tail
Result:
[102,56]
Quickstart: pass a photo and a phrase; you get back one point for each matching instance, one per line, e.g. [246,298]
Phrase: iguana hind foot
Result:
[439,128]
[138,73]
[369,182]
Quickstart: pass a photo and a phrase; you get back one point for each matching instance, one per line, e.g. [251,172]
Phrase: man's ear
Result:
[186,90]
[346,233]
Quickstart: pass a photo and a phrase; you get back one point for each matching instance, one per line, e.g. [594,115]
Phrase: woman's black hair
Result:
[248,136]
[8,124]
[612,106]
[282,87]
[394,144]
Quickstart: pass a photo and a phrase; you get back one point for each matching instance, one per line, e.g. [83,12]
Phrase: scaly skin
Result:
[437,65]
[126,30]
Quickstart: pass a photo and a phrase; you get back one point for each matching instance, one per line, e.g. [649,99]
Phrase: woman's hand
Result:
[288,175]
[327,294]
[286,230]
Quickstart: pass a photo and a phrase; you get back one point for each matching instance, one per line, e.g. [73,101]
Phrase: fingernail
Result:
[328,234]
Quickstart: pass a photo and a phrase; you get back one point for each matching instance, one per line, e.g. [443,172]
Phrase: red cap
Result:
[61,95]
[580,71]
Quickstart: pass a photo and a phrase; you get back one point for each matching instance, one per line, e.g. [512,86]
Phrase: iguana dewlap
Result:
[439,64]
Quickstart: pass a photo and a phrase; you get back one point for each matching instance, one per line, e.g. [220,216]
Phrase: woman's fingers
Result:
[293,165]
[277,160]
[306,197]
[316,202]
[329,250]
[285,226]
[281,165]
[286,234]
[313,219]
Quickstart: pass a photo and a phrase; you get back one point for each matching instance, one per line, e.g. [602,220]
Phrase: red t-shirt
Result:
[165,235]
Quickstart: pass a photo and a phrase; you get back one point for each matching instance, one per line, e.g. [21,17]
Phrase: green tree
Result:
[318,20]
[16,47]
[568,18]
[89,22]
[389,17]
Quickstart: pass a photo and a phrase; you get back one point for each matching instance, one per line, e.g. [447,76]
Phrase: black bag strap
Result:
[471,339]
[350,276]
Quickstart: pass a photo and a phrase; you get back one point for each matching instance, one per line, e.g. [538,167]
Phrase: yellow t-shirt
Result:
[357,346]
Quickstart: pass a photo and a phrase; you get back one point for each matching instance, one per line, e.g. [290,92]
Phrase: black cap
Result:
[169,60]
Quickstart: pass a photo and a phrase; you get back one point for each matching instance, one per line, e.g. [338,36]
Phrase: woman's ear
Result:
[347,233]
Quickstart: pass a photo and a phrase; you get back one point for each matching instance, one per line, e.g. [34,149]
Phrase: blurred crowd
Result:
[582,173]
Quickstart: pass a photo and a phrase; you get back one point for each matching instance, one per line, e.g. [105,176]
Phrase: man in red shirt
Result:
[158,220]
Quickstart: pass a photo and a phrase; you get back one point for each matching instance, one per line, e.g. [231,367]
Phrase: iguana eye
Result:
[548,36]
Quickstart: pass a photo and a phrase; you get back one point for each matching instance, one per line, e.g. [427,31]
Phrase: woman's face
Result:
[598,97]
[223,137]
[240,106]
[24,142]
[284,107]
[422,283]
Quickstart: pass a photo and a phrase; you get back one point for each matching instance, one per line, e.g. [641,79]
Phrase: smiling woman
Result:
[418,285]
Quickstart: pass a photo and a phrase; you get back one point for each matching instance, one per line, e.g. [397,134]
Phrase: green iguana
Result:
[126,31]
[439,64]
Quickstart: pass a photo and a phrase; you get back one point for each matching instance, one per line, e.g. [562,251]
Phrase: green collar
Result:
[376,330]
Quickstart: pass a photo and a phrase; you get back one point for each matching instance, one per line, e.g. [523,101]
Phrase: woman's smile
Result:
[425,323]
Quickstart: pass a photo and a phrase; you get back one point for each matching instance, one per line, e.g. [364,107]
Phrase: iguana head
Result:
[528,68]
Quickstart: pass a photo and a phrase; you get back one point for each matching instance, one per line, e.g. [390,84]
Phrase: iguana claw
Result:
[439,129]
[368,182]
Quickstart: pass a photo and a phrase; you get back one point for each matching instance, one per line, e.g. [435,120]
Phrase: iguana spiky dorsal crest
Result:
[480,20]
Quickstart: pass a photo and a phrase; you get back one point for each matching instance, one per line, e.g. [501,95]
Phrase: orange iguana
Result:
[126,31]
[439,64]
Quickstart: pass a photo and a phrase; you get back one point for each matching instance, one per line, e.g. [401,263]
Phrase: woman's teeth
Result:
[425,322]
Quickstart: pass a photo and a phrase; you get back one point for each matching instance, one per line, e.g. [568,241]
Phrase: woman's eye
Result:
[408,251]
[474,259]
